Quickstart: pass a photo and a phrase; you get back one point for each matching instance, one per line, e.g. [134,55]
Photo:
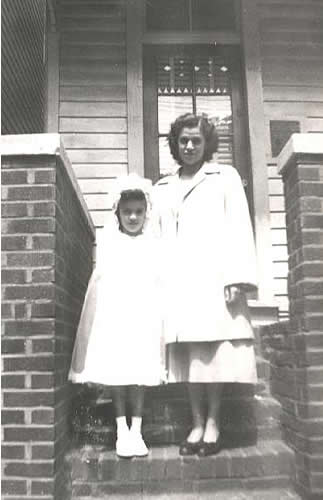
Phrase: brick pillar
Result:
[301,165]
[47,239]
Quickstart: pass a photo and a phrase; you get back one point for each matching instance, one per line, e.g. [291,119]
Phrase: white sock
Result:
[122,426]
[136,424]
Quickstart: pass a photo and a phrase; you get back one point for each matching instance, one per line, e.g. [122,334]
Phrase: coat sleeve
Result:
[240,254]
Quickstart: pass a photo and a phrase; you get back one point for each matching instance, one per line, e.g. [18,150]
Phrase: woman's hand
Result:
[232,294]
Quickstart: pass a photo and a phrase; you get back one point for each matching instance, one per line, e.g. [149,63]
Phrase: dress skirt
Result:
[212,362]
[120,333]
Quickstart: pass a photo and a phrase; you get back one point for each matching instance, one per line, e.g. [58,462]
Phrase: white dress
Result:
[119,339]
[125,340]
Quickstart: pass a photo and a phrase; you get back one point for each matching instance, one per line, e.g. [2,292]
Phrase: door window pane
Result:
[167,15]
[213,14]
[167,164]
[219,110]
[169,108]
[190,15]
[194,82]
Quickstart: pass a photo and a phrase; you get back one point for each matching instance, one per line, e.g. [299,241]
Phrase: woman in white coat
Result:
[205,219]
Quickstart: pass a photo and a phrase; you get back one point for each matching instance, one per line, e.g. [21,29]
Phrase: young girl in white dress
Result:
[119,338]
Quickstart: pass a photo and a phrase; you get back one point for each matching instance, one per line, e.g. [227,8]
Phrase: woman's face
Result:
[191,146]
[132,215]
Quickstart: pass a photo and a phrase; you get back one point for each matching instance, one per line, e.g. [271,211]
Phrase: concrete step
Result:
[96,473]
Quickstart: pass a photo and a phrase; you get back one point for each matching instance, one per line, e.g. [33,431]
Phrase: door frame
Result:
[232,57]
[249,39]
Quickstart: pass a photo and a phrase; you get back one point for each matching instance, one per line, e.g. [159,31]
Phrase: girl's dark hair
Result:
[130,195]
[133,195]
[191,120]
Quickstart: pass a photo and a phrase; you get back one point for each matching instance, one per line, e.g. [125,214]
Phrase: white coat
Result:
[208,229]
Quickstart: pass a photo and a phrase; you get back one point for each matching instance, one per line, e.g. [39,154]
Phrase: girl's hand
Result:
[232,294]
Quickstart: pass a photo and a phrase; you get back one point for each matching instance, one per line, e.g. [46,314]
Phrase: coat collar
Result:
[206,170]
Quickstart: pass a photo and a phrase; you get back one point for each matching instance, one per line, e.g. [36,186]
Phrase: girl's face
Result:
[191,146]
[132,215]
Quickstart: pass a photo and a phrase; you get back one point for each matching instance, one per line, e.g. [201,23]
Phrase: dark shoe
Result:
[207,449]
[186,448]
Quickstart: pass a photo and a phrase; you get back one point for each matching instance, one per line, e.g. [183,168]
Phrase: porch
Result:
[273,431]
[85,63]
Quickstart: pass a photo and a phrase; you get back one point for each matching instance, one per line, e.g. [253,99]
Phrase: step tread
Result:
[99,452]
[274,494]
[267,459]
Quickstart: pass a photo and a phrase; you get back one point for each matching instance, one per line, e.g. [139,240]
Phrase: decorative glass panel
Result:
[189,83]
[188,75]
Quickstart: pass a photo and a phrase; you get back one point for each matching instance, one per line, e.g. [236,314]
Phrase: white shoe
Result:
[124,445]
[139,446]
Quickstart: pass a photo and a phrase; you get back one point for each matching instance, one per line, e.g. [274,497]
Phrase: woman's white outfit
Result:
[207,226]
[119,336]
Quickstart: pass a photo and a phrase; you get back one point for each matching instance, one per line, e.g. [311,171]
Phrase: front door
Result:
[201,79]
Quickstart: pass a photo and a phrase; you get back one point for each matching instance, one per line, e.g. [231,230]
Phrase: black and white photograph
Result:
[162,249]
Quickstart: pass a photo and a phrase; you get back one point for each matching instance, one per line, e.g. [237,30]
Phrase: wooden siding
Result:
[292,49]
[23,66]
[93,97]
[92,110]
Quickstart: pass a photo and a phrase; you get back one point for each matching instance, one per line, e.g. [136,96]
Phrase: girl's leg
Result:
[212,431]
[196,393]
[123,443]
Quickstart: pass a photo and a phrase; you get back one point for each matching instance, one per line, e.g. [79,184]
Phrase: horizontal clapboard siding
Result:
[23,66]
[93,108]
[292,72]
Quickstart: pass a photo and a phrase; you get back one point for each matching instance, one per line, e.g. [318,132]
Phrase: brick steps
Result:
[96,473]
[244,418]
[157,435]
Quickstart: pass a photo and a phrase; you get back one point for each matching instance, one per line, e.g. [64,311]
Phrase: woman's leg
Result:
[124,446]
[136,397]
[212,431]
[196,395]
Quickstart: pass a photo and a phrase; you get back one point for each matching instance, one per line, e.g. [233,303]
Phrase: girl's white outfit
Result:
[119,339]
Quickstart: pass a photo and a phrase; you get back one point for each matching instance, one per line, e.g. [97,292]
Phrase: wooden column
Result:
[254,94]
[135,19]
[52,82]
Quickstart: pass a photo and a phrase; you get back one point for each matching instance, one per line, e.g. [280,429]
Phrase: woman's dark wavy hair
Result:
[191,120]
